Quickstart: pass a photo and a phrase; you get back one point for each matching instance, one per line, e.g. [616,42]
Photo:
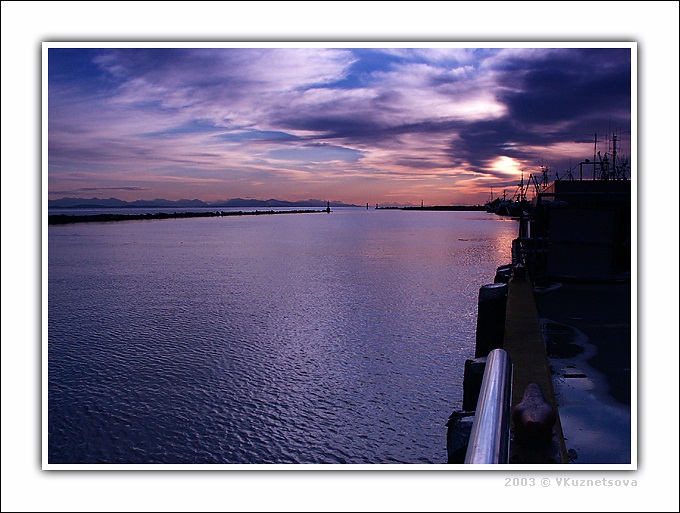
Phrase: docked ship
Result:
[519,204]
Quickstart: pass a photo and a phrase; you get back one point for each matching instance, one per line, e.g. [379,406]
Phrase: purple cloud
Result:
[327,120]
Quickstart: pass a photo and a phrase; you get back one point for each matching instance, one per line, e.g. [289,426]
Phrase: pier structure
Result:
[571,262]
[527,420]
[523,340]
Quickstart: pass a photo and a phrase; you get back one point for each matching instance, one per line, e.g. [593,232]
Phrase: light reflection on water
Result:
[306,338]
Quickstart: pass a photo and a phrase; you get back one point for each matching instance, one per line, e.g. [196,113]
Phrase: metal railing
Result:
[490,435]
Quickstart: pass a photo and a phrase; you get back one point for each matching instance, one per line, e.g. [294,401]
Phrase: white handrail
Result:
[490,435]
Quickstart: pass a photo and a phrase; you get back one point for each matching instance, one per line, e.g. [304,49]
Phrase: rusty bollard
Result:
[534,418]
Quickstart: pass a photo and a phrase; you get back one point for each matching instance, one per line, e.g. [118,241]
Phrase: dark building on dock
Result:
[579,230]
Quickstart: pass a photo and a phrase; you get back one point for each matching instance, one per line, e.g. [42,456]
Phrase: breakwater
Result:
[105,218]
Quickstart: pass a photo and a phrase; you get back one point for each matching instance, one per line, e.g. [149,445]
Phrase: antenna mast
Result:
[614,157]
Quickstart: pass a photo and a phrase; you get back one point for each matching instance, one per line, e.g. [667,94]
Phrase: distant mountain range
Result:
[185,203]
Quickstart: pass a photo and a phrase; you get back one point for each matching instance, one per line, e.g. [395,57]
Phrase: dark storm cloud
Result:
[566,97]
[572,87]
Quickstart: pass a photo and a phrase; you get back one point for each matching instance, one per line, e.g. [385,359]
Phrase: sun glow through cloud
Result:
[506,166]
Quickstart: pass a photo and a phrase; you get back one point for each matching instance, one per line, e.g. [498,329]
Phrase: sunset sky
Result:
[353,123]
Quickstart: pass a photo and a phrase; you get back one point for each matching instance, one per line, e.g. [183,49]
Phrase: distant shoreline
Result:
[56,219]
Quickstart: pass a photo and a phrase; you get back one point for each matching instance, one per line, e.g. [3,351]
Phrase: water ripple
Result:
[281,341]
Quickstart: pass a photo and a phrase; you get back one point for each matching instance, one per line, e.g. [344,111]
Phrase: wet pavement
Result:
[587,328]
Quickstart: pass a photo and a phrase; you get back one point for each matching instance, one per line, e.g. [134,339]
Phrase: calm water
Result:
[305,338]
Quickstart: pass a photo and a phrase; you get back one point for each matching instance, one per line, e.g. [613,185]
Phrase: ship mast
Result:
[594,155]
[615,171]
